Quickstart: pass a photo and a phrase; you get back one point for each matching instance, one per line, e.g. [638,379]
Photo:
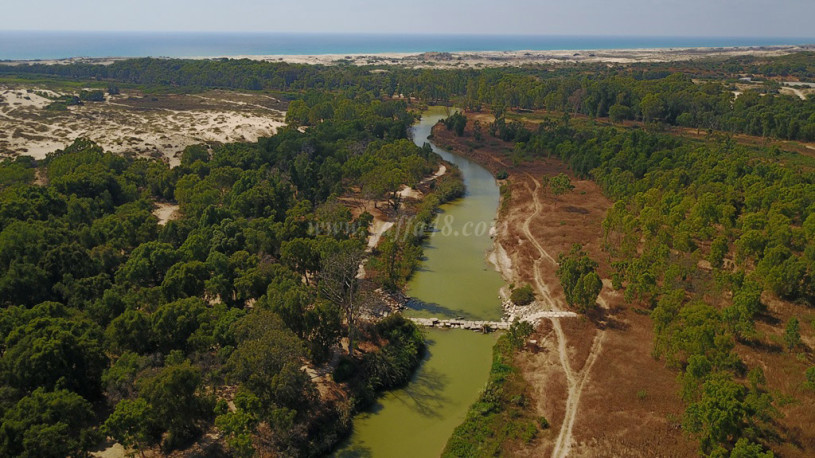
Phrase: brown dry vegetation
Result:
[630,405]
[611,419]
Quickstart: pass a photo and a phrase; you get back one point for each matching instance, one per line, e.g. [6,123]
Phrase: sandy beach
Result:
[480,59]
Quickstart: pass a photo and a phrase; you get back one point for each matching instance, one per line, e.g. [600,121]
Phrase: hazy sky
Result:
[768,18]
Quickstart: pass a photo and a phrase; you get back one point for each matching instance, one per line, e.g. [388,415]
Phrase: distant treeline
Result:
[673,94]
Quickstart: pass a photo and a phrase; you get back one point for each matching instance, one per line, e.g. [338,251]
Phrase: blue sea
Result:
[24,45]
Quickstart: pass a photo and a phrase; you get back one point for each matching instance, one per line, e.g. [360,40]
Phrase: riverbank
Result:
[452,280]
[593,401]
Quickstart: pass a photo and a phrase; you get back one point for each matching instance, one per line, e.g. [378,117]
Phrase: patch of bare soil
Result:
[591,394]
[165,212]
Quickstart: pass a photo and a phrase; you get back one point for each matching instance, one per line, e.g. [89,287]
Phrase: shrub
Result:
[810,375]
[518,332]
[502,175]
[522,296]
[344,371]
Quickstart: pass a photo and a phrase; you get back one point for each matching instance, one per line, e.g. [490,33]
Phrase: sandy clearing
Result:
[114,450]
[378,229]
[134,124]
[413,193]
[17,98]
[406,192]
[792,91]
[165,212]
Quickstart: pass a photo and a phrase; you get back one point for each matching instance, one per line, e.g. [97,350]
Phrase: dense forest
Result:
[114,325]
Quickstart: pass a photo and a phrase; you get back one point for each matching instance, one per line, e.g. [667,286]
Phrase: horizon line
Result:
[413,34]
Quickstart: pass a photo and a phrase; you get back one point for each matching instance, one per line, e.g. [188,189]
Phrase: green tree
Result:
[239,425]
[53,352]
[194,153]
[792,334]
[587,290]
[718,250]
[579,279]
[719,415]
[523,295]
[174,396]
[618,113]
[745,448]
[133,424]
[267,363]
[48,424]
[518,332]
[300,256]
[129,331]
[652,108]
[185,279]
[174,323]
[560,184]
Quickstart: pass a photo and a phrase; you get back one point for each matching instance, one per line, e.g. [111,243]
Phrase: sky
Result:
[742,18]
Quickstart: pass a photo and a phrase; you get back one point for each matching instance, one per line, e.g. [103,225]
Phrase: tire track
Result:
[575,381]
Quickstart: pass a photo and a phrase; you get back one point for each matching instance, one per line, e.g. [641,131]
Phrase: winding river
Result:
[454,280]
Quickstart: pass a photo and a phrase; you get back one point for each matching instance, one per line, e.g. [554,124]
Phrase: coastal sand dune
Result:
[480,59]
[155,126]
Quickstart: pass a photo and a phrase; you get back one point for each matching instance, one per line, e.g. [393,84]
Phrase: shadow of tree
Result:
[355,451]
[437,310]
[425,393]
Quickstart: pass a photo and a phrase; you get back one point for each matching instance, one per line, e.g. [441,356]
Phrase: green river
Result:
[454,280]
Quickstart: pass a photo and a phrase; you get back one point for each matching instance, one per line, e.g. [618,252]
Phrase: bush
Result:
[518,332]
[457,121]
[810,375]
[92,96]
[522,296]
[502,175]
[344,371]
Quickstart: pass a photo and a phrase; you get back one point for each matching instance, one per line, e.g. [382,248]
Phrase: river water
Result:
[454,280]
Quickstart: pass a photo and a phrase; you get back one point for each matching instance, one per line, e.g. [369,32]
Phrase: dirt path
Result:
[793,91]
[575,380]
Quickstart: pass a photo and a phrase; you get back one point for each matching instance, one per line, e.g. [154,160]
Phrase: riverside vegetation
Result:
[698,233]
[115,325]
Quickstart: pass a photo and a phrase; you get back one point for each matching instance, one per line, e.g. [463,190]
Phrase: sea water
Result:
[29,45]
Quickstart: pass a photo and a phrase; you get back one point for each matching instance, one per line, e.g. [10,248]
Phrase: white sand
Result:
[523,57]
[491,58]
[165,212]
[122,127]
